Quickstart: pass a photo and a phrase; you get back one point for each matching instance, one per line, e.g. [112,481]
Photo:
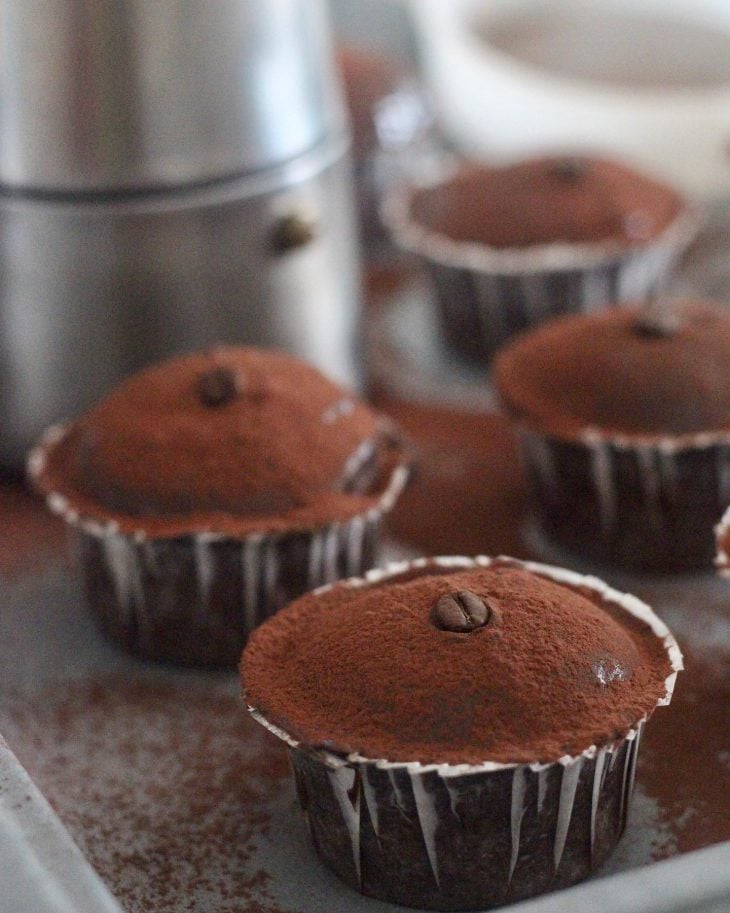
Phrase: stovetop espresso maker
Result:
[172,175]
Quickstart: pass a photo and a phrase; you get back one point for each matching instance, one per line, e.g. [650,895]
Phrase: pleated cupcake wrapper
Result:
[479,312]
[722,559]
[486,295]
[576,806]
[211,588]
[646,503]
[421,815]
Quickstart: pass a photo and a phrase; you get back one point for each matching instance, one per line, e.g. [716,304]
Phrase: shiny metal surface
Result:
[90,291]
[106,94]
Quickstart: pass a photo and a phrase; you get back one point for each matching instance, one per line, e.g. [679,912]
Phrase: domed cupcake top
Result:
[622,371]
[545,201]
[231,439]
[456,665]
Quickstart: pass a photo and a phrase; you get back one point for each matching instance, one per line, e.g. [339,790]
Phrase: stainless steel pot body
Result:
[172,174]
[156,93]
[92,290]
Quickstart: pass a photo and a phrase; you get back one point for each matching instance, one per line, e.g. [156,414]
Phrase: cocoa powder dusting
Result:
[365,670]
[685,758]
[163,784]
[466,498]
[545,200]
[163,455]
[596,370]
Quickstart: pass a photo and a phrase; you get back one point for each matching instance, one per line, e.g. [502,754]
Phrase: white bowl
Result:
[646,80]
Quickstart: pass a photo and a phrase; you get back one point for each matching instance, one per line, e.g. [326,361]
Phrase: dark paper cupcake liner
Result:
[639,505]
[467,837]
[479,312]
[419,838]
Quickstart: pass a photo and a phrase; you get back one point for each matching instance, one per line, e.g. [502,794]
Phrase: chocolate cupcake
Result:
[463,732]
[508,247]
[625,425]
[209,490]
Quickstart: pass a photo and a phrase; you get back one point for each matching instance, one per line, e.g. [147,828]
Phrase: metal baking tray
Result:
[180,804]
[131,787]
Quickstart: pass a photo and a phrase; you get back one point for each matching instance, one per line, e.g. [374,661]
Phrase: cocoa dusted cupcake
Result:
[508,247]
[209,490]
[625,424]
[463,733]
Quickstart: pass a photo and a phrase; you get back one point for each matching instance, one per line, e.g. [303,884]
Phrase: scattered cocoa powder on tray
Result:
[163,784]
[29,533]
[467,493]
[685,757]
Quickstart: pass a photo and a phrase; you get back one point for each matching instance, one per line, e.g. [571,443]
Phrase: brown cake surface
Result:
[370,670]
[547,200]
[231,440]
[614,372]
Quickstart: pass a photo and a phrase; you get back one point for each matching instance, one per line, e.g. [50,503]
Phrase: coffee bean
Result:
[291,232]
[461,612]
[569,169]
[217,386]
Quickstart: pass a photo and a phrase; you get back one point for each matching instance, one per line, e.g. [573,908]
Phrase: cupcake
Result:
[463,732]
[625,426]
[508,247]
[207,491]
